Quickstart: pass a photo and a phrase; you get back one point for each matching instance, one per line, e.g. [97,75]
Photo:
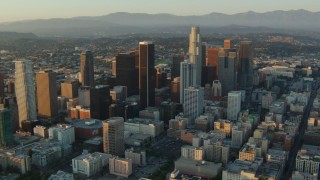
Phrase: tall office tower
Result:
[193,102]
[146,74]
[175,90]
[113,136]
[25,91]
[234,105]
[69,89]
[216,88]
[1,87]
[208,74]
[176,61]
[204,53]
[227,44]
[195,55]
[227,71]
[84,96]
[126,72]
[213,58]
[100,101]
[47,94]
[114,68]
[186,77]
[6,133]
[86,68]
[245,70]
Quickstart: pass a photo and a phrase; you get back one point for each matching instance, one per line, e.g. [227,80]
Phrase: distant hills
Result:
[127,23]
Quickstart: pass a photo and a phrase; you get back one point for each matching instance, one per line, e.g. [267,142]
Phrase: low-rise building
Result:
[120,166]
[137,157]
[203,169]
[60,175]
[90,164]
[63,133]
[144,126]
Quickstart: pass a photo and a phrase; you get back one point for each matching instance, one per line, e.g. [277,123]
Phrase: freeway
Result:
[290,166]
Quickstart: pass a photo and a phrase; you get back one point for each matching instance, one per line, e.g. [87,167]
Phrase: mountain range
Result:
[128,23]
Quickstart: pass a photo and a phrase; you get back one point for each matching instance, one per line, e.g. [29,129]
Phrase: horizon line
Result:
[230,14]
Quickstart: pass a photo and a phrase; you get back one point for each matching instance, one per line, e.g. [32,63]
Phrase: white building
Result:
[63,133]
[307,159]
[144,126]
[40,131]
[193,102]
[186,76]
[191,152]
[25,91]
[90,164]
[216,88]
[234,105]
[237,137]
[138,158]
[120,166]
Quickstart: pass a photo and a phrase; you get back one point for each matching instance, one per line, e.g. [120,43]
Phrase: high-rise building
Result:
[216,88]
[227,71]
[195,55]
[176,62]
[100,101]
[69,89]
[113,136]
[208,74]
[175,90]
[245,70]
[25,91]
[86,68]
[6,133]
[186,77]
[204,53]
[47,94]
[193,102]
[84,96]
[146,74]
[227,44]
[1,86]
[126,72]
[213,58]
[234,105]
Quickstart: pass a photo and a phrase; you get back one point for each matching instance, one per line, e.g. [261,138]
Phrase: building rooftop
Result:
[309,152]
[87,123]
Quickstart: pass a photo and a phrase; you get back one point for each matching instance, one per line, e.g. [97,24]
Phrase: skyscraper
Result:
[176,62]
[227,44]
[195,54]
[86,68]
[1,86]
[100,101]
[146,74]
[113,136]
[126,72]
[186,77]
[69,89]
[25,91]
[245,71]
[234,105]
[6,133]
[47,94]
[227,71]
[213,58]
[175,90]
[193,102]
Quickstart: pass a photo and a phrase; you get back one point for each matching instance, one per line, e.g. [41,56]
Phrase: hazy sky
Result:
[12,10]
